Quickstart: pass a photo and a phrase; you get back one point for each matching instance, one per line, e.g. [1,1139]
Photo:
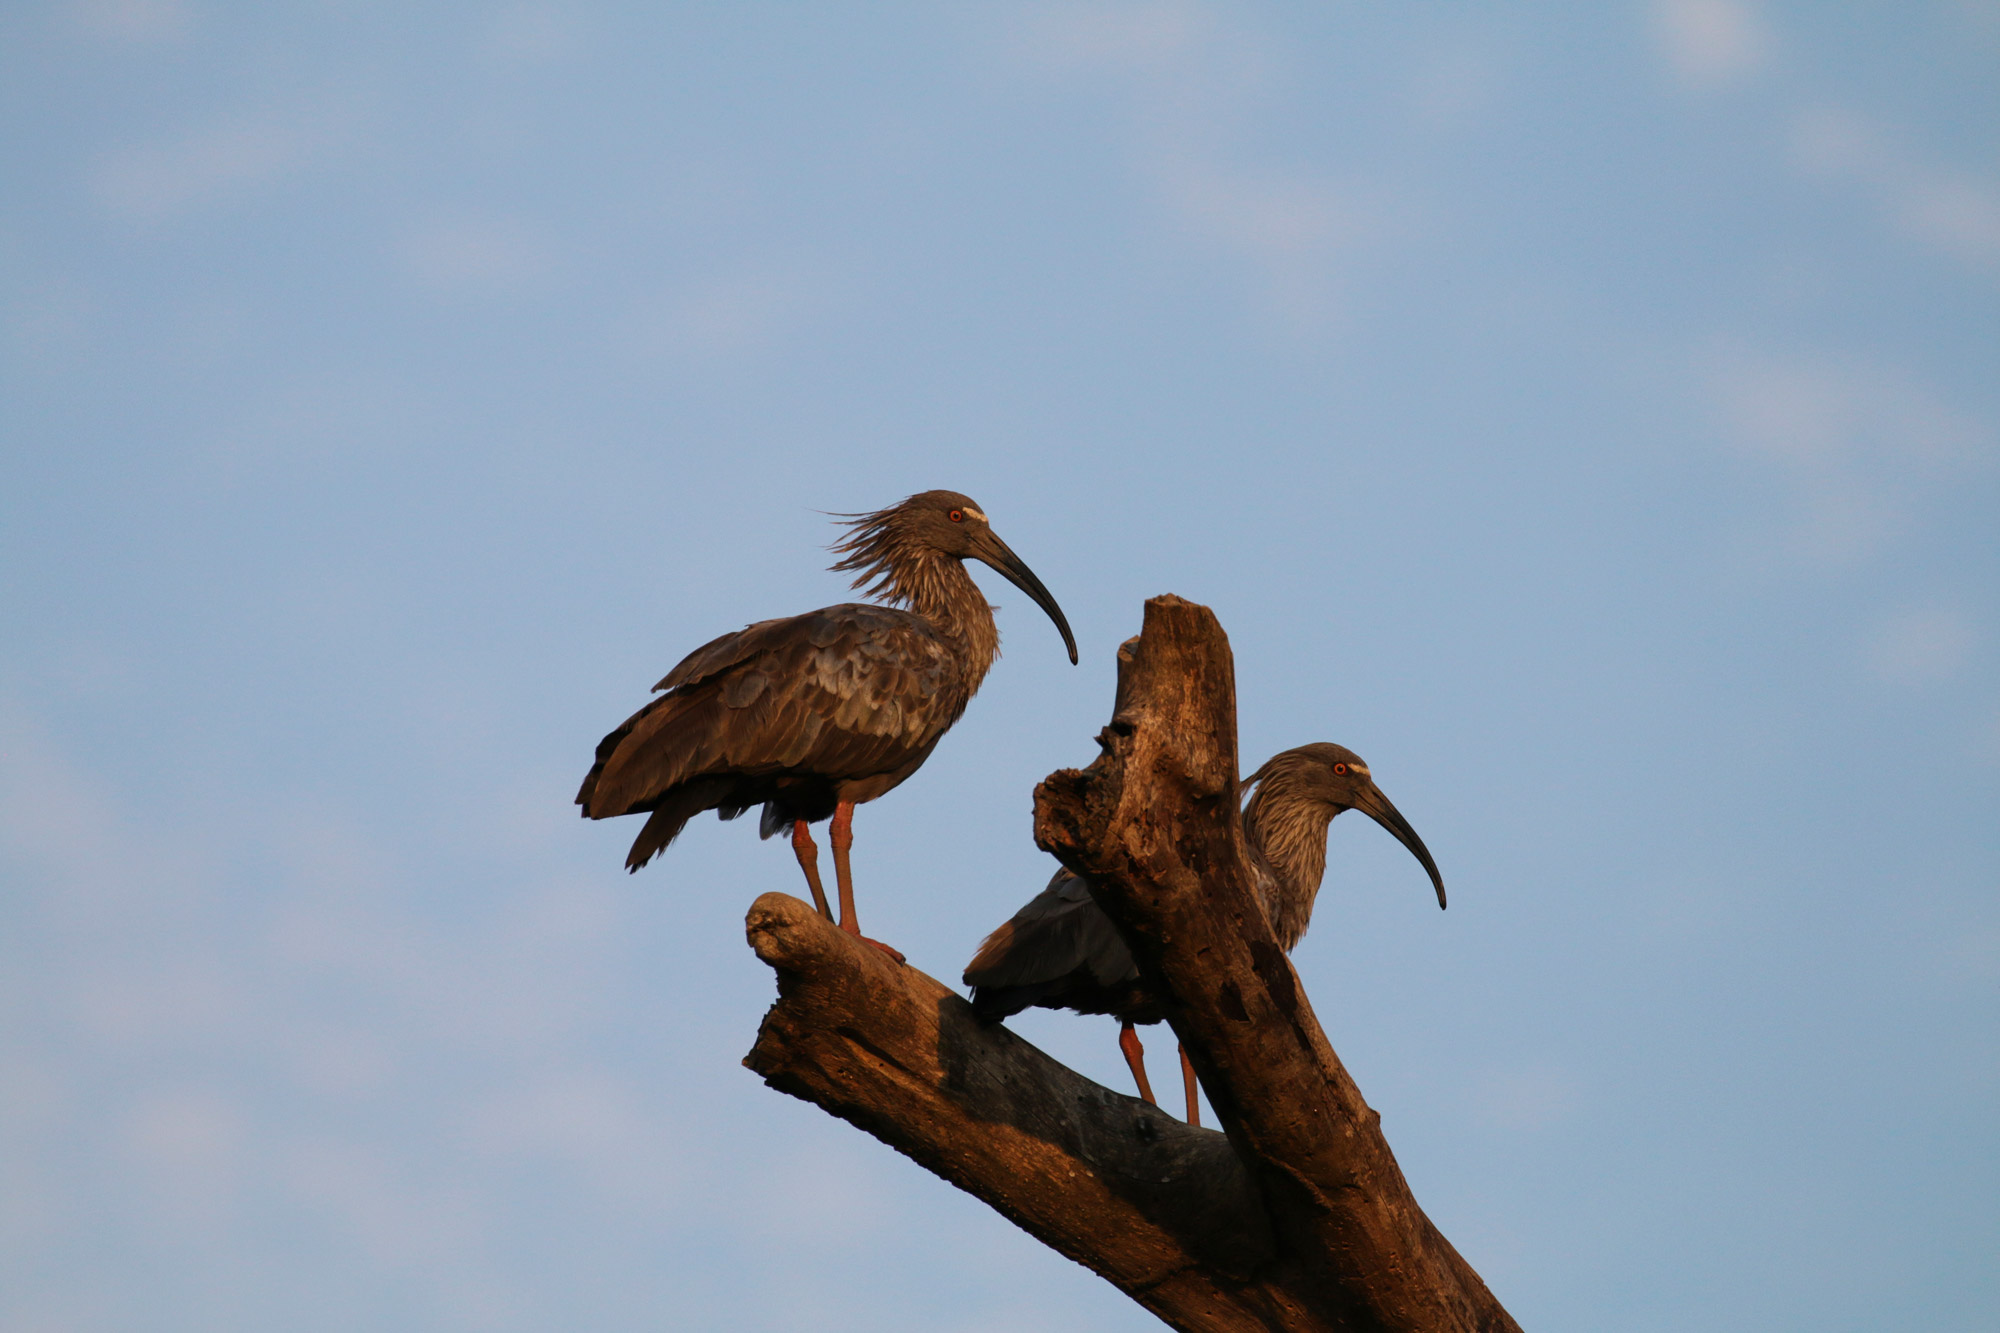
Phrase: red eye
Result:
[1340,768]
[956,516]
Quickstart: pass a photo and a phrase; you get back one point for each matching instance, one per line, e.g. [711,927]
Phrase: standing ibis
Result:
[1062,952]
[811,715]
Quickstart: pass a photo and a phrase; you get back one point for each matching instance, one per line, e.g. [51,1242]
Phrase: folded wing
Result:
[1060,951]
[802,705]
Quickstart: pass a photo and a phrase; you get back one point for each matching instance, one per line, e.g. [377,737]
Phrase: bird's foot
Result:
[892,952]
[851,928]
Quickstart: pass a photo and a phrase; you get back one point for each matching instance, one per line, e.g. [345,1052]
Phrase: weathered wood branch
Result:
[1152,824]
[1299,1218]
[1164,1212]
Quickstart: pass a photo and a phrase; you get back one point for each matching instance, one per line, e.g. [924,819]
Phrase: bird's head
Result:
[888,547]
[1338,779]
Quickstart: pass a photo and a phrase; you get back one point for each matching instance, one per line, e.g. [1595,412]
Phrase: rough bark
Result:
[1164,1212]
[1296,1216]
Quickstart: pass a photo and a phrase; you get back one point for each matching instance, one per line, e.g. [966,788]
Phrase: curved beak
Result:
[1371,802]
[989,550]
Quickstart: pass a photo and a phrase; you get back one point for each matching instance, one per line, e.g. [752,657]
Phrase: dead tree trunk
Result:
[1296,1216]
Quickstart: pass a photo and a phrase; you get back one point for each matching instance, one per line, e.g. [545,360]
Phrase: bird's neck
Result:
[938,588]
[1290,829]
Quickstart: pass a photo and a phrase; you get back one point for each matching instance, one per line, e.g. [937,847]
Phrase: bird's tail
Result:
[671,739]
[671,816]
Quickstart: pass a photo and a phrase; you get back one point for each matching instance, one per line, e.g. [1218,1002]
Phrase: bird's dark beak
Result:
[1375,805]
[988,549]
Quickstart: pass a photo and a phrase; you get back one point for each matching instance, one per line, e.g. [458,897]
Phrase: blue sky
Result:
[1587,413]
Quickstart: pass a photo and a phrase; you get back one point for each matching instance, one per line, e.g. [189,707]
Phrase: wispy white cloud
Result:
[1951,211]
[1528,1098]
[69,834]
[480,256]
[332,1059]
[1295,229]
[531,34]
[210,164]
[159,179]
[1708,43]
[835,1194]
[36,1099]
[734,310]
[1954,211]
[49,320]
[1186,76]
[589,1122]
[131,20]
[143,966]
[1454,86]
[193,1145]
[1923,645]
[406,1219]
[1133,34]
[1857,445]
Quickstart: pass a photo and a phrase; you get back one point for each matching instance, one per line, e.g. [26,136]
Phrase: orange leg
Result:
[843,874]
[808,854]
[1135,1056]
[1193,1090]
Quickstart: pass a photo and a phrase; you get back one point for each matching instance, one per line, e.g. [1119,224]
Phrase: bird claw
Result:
[855,931]
[892,952]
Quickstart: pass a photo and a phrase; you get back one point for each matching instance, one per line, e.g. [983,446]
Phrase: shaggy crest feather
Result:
[893,562]
[869,549]
[892,565]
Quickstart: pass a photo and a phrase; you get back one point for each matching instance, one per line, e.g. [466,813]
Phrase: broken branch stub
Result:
[1153,825]
[1299,1219]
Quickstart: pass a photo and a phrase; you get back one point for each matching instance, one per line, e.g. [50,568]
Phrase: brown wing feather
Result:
[1060,952]
[725,651]
[844,693]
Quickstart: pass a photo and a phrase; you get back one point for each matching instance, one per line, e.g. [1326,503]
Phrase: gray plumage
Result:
[835,706]
[1062,952]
